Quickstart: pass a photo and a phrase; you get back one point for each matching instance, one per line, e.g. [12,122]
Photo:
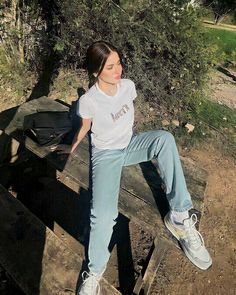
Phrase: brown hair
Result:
[96,57]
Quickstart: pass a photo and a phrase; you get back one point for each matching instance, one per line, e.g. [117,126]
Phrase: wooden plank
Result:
[145,281]
[140,193]
[33,255]
[141,181]
[159,252]
[133,179]
[76,167]
[144,182]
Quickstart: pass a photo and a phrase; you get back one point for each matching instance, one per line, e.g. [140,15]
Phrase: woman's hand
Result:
[62,149]
[69,149]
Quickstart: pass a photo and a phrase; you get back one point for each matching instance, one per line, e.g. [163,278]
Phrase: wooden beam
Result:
[33,255]
[140,195]
[141,199]
[159,252]
[145,279]
[142,181]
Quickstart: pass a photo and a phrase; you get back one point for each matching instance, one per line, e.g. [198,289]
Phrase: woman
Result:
[107,109]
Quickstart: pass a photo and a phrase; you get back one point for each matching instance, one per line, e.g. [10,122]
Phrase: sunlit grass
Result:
[225,40]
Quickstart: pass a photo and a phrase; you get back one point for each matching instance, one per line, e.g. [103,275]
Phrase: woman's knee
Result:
[103,217]
[167,137]
[102,223]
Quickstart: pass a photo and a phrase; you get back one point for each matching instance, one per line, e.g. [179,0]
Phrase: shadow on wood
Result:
[139,200]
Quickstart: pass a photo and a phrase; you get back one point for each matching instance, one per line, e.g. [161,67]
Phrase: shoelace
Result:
[195,238]
[91,278]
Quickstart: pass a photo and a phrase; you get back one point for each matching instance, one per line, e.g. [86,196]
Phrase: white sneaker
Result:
[90,285]
[191,241]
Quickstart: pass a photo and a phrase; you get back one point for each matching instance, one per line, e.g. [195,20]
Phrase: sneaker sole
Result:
[202,267]
[175,234]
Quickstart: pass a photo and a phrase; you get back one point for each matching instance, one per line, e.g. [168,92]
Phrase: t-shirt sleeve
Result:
[133,91]
[84,107]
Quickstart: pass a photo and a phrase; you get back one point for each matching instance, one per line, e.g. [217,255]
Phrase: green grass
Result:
[214,123]
[218,118]
[225,40]
[219,121]
[216,115]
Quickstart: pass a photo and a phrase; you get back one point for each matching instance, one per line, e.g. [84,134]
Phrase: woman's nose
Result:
[118,69]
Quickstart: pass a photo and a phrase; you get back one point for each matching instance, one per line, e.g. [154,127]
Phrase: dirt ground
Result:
[177,276]
[218,227]
[223,87]
[218,224]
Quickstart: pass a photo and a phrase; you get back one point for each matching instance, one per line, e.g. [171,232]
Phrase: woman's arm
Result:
[85,127]
[67,149]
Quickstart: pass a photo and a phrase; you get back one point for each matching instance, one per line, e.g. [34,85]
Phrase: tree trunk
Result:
[17,25]
[218,18]
[14,4]
[20,32]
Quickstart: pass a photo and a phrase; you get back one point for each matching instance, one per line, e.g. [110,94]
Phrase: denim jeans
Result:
[106,174]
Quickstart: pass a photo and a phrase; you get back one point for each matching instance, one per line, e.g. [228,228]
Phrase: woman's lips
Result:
[117,77]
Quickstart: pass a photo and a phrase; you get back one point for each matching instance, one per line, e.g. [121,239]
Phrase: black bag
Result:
[47,127]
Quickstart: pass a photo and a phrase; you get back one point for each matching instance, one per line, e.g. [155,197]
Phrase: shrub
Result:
[163,44]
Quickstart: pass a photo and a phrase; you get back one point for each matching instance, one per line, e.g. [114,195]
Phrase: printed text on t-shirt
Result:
[121,112]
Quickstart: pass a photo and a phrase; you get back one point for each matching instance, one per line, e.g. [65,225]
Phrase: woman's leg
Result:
[161,146]
[106,172]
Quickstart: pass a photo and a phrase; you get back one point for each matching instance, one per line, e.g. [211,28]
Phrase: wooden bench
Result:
[139,185]
[33,255]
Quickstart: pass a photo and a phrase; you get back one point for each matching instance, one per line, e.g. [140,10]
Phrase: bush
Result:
[163,44]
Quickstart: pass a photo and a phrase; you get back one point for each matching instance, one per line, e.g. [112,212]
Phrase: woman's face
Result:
[112,69]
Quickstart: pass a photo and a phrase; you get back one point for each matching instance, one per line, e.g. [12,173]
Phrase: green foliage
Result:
[163,44]
[75,32]
[165,49]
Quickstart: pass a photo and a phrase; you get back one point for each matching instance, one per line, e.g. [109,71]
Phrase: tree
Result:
[220,8]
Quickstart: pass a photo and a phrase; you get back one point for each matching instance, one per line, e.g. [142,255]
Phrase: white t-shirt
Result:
[112,116]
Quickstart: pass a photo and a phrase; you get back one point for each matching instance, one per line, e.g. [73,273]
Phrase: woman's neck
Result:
[108,88]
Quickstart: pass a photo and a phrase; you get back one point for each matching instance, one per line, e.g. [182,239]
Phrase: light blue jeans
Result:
[106,174]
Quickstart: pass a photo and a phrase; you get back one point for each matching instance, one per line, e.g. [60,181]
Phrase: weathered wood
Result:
[133,179]
[33,255]
[136,195]
[141,197]
[159,252]
[145,281]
